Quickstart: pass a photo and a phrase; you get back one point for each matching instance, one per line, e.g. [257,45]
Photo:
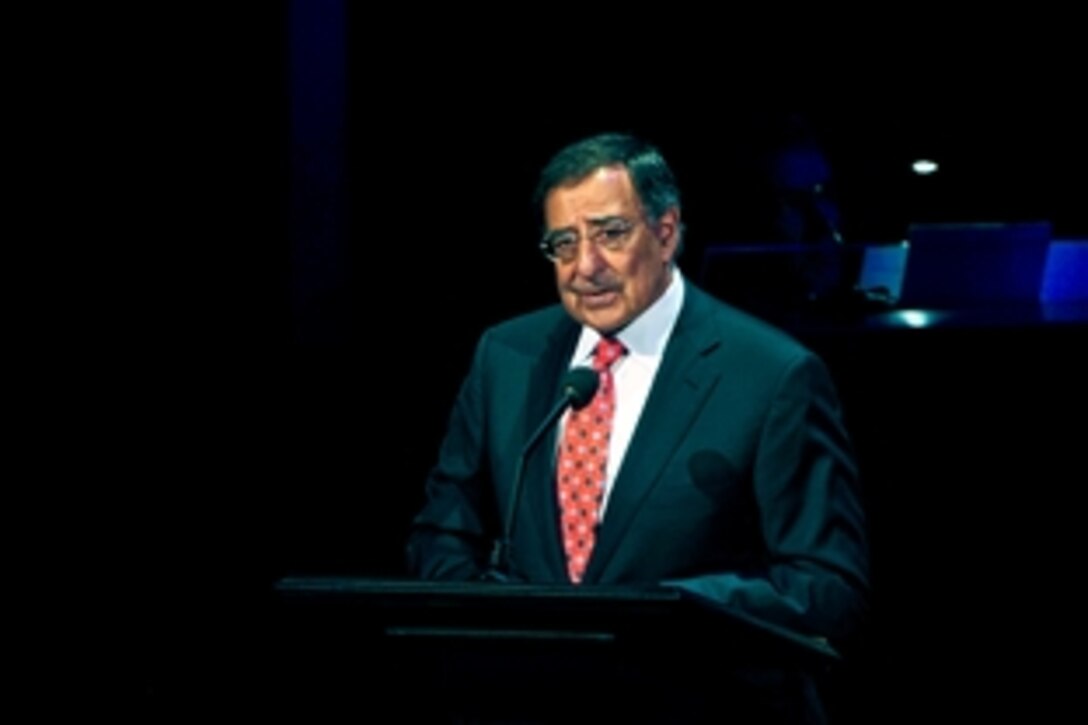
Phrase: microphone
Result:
[578,388]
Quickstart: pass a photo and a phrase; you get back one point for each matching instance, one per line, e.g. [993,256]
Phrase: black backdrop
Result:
[284,360]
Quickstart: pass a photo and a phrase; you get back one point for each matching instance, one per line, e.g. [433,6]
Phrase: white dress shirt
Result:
[633,374]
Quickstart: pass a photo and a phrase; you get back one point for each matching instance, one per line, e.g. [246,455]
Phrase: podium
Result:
[476,652]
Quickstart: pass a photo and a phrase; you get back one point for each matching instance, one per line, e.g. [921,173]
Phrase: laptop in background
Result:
[883,267]
[960,265]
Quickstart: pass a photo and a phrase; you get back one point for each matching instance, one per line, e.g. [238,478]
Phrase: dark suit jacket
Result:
[739,482]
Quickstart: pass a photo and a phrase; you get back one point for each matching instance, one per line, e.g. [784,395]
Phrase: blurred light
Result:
[917,318]
[924,167]
[1065,274]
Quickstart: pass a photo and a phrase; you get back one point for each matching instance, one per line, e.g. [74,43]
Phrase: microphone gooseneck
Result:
[577,389]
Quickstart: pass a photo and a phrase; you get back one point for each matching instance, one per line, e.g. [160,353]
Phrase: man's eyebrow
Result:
[600,221]
[552,233]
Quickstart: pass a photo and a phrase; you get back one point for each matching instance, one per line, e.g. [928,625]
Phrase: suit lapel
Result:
[539,491]
[682,384]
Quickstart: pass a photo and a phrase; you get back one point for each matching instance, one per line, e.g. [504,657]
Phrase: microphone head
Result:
[580,385]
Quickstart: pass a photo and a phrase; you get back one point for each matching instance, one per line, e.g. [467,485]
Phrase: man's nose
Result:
[589,258]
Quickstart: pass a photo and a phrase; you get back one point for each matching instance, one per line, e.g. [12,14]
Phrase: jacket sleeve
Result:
[451,536]
[815,577]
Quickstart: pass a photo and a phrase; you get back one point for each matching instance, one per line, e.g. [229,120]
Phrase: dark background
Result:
[323,209]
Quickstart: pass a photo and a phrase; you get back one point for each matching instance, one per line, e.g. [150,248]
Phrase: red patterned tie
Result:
[583,462]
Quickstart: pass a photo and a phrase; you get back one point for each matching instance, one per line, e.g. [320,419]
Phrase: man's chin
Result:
[605,314]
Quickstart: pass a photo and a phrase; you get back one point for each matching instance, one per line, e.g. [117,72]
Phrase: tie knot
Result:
[609,350]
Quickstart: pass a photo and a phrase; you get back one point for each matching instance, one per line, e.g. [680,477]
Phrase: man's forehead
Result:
[604,192]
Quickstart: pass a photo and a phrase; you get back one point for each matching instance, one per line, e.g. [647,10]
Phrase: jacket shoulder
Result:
[530,331]
[740,329]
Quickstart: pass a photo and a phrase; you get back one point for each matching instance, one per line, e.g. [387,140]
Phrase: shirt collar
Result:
[648,333]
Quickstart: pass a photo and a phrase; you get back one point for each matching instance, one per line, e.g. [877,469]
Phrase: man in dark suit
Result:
[725,467]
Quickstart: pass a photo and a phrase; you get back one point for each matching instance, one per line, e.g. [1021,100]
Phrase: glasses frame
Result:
[611,233]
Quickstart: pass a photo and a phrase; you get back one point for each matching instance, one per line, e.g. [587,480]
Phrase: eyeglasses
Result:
[611,234]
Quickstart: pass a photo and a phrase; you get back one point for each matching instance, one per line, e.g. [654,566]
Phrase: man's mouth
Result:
[597,298]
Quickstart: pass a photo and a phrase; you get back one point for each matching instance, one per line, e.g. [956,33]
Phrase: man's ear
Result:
[668,232]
